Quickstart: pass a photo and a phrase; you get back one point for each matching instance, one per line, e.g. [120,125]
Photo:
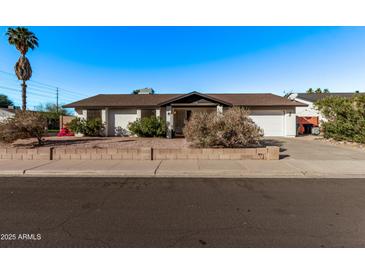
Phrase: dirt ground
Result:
[102,142]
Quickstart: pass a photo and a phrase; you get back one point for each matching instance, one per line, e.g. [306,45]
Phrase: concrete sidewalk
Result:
[187,168]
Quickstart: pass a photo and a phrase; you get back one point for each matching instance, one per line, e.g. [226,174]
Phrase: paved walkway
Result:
[188,168]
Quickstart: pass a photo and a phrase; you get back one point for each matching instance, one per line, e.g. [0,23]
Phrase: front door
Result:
[179,118]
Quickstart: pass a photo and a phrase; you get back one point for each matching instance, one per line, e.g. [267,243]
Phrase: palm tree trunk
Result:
[24,96]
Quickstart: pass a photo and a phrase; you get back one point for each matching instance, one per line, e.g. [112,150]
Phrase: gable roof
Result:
[313,97]
[155,100]
[204,96]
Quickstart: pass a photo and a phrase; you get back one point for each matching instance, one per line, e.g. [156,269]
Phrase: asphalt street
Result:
[186,212]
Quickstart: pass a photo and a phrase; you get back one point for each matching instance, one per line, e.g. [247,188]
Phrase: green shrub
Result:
[94,127]
[344,118]
[233,128]
[91,127]
[148,127]
[25,124]
[77,125]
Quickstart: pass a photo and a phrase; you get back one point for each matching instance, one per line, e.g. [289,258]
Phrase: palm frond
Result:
[22,38]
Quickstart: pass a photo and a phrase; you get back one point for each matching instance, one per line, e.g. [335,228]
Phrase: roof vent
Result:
[144,91]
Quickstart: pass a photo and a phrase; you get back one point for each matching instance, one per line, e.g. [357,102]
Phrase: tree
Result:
[5,101]
[318,90]
[23,40]
[345,117]
[51,111]
[25,124]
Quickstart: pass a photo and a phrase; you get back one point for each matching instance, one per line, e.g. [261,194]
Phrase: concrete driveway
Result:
[302,148]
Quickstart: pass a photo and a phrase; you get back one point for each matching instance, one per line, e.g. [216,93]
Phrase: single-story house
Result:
[274,114]
[307,115]
[6,113]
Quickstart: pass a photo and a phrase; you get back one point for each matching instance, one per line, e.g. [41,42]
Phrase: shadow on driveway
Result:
[279,143]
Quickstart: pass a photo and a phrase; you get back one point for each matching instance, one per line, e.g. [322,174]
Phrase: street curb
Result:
[179,175]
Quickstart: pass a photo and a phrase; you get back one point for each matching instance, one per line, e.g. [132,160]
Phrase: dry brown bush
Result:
[234,128]
[25,124]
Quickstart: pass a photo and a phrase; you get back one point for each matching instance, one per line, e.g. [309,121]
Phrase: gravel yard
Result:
[102,142]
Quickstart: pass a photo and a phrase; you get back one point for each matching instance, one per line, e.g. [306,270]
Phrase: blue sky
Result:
[84,61]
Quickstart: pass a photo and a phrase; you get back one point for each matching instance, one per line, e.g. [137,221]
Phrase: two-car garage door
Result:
[271,121]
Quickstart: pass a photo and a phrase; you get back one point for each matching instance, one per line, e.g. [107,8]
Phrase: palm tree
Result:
[23,40]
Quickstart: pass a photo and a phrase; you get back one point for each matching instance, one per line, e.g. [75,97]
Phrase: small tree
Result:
[25,124]
[52,113]
[5,101]
[233,128]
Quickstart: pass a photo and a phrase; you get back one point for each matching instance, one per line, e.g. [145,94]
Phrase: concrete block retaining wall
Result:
[143,153]
[102,153]
[43,153]
[265,153]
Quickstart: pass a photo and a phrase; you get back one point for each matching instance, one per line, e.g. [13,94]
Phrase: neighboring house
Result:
[308,116]
[274,114]
[6,113]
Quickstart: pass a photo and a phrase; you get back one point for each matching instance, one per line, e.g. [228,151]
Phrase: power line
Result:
[44,85]
[30,91]
[9,88]
[57,100]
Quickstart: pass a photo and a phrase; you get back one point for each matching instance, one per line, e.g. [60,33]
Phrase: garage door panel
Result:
[272,122]
[119,120]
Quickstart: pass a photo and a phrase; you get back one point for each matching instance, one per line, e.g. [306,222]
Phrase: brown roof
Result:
[256,99]
[154,100]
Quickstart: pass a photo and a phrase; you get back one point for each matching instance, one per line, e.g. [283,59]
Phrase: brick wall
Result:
[102,153]
[143,153]
[266,153]
[43,153]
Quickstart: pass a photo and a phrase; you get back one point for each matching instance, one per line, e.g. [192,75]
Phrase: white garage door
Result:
[271,121]
[119,120]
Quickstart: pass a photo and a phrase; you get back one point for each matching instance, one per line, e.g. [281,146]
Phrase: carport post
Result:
[219,109]
[158,113]
[169,121]
[105,120]
[139,113]
[84,114]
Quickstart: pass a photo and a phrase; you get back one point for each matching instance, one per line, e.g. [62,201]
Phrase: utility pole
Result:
[57,99]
